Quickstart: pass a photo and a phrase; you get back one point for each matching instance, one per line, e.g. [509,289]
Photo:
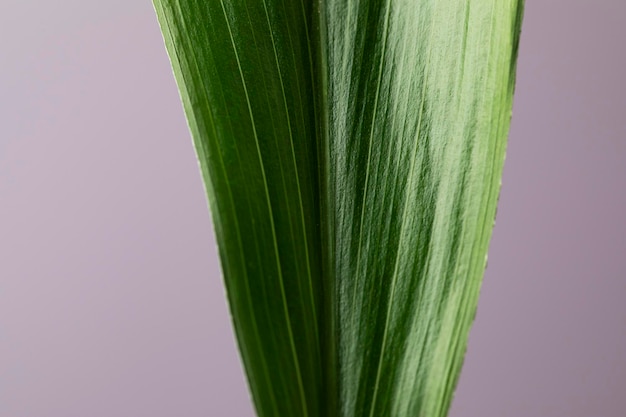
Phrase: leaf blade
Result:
[351,151]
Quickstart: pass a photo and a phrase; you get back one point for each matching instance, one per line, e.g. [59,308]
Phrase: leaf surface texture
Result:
[352,152]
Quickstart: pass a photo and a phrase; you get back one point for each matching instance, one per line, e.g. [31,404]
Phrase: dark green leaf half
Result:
[352,153]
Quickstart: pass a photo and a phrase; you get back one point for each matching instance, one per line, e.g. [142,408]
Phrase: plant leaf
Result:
[352,152]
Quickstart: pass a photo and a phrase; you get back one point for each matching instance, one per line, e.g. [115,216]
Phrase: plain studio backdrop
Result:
[111,300]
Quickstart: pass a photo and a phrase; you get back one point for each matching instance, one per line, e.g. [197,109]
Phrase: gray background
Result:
[111,301]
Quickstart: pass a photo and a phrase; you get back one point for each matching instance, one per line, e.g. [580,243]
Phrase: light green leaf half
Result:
[352,152]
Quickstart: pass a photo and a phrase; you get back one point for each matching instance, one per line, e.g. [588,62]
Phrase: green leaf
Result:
[352,152]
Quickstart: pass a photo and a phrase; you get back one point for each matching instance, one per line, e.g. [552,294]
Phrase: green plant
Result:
[352,153]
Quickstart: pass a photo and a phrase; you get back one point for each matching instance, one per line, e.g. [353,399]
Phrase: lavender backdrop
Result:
[111,302]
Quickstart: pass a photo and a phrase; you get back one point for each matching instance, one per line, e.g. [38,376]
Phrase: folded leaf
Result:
[352,152]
